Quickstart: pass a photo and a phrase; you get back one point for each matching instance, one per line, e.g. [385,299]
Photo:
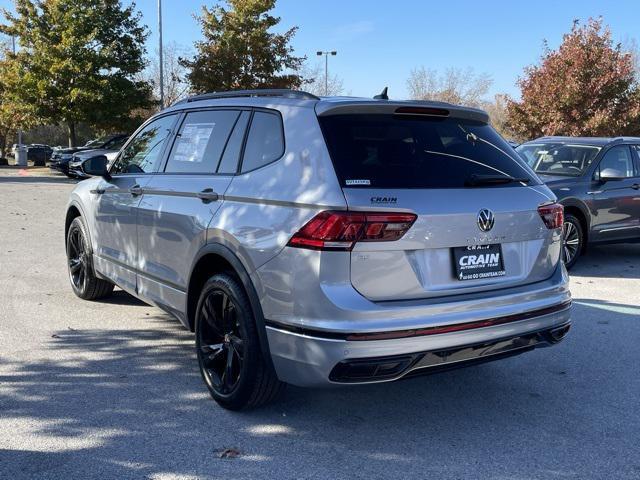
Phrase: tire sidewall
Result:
[78,224]
[251,351]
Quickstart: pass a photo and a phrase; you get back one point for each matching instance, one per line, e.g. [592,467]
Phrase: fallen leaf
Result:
[228,453]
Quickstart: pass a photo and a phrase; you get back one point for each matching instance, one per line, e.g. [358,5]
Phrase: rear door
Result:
[472,234]
[180,201]
[617,202]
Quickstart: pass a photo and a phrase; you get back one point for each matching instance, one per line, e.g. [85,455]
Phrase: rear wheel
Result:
[572,240]
[84,282]
[228,348]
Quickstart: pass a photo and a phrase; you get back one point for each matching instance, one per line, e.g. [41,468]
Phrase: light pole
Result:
[161,83]
[326,69]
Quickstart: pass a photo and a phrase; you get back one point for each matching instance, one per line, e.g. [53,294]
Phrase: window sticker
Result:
[193,142]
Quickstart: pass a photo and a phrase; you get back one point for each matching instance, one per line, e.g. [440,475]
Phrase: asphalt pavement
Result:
[111,389]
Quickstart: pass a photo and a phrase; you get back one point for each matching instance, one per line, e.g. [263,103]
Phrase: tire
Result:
[228,348]
[572,240]
[84,282]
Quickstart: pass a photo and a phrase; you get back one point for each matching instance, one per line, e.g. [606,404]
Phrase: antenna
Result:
[382,95]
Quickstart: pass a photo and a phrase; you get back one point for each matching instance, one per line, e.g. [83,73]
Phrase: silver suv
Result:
[324,241]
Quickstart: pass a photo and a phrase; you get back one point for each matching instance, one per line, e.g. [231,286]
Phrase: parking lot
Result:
[112,389]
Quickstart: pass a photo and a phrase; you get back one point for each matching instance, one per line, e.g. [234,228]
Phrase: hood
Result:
[555,181]
[94,152]
[71,150]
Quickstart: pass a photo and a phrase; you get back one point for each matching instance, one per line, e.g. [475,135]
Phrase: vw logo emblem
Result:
[485,219]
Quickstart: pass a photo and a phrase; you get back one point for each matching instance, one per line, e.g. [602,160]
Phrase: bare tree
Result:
[461,87]
[176,86]
[497,110]
[314,81]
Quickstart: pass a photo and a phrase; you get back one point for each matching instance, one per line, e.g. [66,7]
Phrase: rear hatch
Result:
[478,224]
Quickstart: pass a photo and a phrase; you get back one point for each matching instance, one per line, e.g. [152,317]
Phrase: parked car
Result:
[109,150]
[332,241]
[598,182]
[39,153]
[60,158]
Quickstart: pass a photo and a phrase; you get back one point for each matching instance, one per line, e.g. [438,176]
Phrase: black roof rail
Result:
[273,92]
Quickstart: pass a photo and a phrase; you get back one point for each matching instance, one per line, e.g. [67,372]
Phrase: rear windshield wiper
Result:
[482,180]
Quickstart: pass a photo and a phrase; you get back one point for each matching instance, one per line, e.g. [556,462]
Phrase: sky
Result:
[379,43]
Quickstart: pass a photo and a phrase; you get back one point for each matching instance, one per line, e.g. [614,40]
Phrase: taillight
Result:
[337,230]
[552,215]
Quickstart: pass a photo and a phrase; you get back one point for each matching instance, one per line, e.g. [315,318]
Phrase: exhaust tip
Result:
[557,334]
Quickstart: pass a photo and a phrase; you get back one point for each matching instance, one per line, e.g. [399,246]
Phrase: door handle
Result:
[135,190]
[207,195]
[636,186]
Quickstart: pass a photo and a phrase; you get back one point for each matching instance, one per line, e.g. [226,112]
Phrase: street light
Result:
[161,83]
[326,69]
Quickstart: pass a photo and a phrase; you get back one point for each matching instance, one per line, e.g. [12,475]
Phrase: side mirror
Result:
[611,174]
[97,167]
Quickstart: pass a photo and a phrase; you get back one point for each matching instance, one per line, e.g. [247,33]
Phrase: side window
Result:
[619,159]
[636,153]
[143,154]
[201,141]
[264,143]
[231,156]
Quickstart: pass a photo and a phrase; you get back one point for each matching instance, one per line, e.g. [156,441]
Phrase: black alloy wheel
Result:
[233,366]
[84,282]
[221,343]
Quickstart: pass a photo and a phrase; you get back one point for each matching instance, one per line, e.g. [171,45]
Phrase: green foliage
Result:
[79,60]
[240,52]
[586,87]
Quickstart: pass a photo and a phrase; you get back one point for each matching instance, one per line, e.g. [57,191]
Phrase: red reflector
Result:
[552,215]
[336,230]
[439,112]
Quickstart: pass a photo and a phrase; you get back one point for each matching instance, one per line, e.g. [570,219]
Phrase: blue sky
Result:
[378,43]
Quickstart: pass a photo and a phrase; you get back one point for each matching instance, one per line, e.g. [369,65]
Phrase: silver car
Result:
[324,241]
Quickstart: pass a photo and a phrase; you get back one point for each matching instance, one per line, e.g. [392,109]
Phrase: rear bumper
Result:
[305,359]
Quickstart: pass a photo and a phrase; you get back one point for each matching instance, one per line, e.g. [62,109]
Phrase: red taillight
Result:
[335,230]
[552,215]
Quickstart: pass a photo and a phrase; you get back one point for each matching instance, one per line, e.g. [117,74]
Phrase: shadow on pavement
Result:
[131,404]
[609,261]
[35,179]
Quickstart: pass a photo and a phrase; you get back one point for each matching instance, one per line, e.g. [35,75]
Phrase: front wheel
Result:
[228,347]
[84,282]
[572,240]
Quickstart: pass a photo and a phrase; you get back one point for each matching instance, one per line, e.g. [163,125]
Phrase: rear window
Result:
[387,151]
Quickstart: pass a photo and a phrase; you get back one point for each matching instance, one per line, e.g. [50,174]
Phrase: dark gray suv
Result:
[598,182]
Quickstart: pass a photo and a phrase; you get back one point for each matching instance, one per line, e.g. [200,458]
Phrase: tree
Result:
[14,112]
[315,83]
[586,87]
[176,86]
[460,87]
[497,110]
[240,52]
[78,61]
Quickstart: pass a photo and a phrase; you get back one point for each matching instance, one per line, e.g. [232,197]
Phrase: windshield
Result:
[115,143]
[558,159]
[392,151]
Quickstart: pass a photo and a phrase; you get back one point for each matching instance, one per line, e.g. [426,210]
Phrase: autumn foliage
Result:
[587,87]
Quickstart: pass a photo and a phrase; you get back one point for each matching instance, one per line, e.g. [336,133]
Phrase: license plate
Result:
[478,261]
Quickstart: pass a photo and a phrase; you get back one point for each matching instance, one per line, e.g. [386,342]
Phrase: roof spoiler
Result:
[404,108]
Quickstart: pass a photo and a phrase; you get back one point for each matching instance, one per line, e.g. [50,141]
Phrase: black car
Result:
[61,158]
[598,182]
[39,153]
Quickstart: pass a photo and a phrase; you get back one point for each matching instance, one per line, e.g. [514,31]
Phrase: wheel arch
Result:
[580,211]
[216,258]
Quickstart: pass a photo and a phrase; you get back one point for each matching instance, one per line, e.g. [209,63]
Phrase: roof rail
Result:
[274,92]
